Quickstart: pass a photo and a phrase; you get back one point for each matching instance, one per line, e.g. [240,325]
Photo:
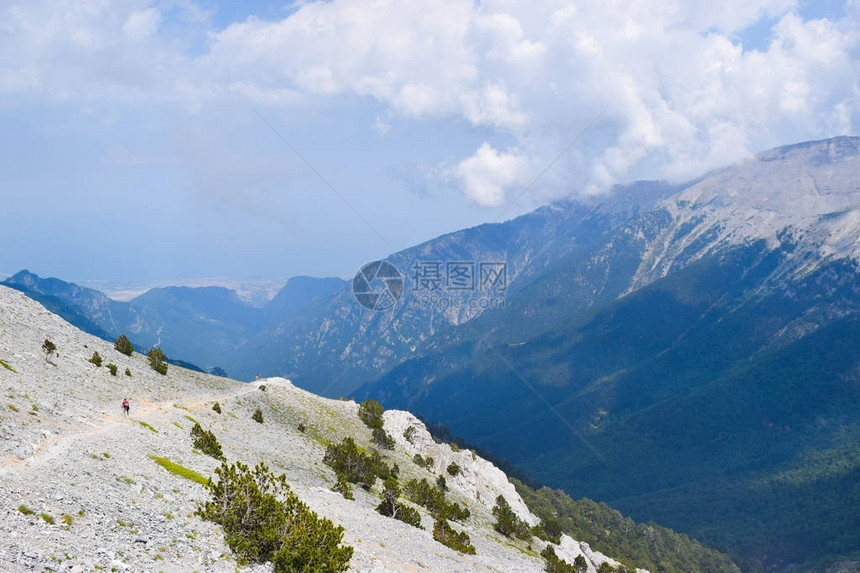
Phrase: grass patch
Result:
[68,519]
[13,408]
[190,419]
[179,470]
[7,367]
[25,510]
[48,518]
[147,426]
[181,407]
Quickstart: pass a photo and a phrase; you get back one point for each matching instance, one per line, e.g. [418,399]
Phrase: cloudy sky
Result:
[146,140]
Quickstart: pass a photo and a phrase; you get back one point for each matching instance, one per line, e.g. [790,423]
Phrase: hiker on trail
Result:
[125,406]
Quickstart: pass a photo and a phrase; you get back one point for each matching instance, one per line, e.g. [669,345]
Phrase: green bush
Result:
[433,498]
[128,372]
[427,462]
[25,510]
[553,564]
[508,523]
[206,442]
[342,487]
[382,439]
[49,348]
[96,359]
[448,536]
[370,412]
[453,469]
[257,416]
[113,368]
[409,433]
[157,360]
[263,520]
[123,345]
[355,466]
[391,507]
[217,407]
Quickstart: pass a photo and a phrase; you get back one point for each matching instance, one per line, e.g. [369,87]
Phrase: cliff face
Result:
[80,488]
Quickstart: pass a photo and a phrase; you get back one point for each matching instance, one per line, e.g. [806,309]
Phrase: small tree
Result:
[128,372]
[123,345]
[157,360]
[508,523]
[342,487]
[391,507]
[96,359]
[49,348]
[453,469]
[113,368]
[448,536]
[370,412]
[382,439]
[258,416]
[554,564]
[206,442]
[263,520]
[217,407]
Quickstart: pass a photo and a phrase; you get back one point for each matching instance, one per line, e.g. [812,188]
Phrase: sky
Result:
[147,141]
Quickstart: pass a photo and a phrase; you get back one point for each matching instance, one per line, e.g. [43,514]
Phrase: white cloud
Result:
[680,92]
[485,175]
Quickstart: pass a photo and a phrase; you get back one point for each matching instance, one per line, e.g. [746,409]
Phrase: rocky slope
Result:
[79,490]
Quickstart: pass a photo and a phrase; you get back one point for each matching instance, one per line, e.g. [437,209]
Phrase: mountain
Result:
[84,487]
[201,325]
[715,390]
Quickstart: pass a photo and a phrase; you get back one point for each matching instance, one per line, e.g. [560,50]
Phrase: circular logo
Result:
[377,285]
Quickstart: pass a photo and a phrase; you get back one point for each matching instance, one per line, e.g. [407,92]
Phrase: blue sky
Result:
[139,144]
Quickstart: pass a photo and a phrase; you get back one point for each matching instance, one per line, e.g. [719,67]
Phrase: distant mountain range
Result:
[689,354]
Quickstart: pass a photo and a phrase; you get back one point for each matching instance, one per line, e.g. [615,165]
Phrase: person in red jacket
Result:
[125,406]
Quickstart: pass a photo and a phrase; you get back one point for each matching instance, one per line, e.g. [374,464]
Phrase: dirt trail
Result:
[61,435]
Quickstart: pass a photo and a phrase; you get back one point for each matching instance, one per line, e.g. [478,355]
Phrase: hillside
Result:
[80,490]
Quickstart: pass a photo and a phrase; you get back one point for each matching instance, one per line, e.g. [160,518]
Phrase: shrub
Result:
[549,529]
[25,510]
[257,416]
[433,498]
[68,519]
[507,522]
[301,427]
[157,360]
[48,518]
[217,407]
[441,483]
[427,462]
[263,520]
[342,487]
[370,412]
[123,345]
[113,368]
[383,439]
[206,442]
[453,469]
[356,466]
[391,507]
[49,348]
[553,564]
[409,433]
[128,372]
[96,359]
[448,536]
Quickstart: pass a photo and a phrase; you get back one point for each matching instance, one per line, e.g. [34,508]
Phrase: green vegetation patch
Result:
[647,545]
[7,367]
[263,520]
[179,470]
[147,426]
